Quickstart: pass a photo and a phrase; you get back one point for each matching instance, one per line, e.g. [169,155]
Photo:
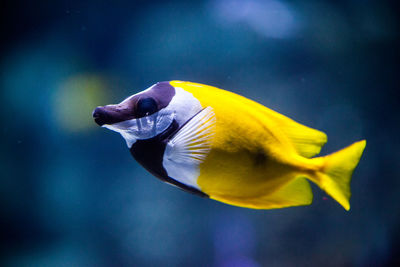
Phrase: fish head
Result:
[147,114]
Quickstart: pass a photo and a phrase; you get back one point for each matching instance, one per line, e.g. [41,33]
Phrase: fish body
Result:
[221,145]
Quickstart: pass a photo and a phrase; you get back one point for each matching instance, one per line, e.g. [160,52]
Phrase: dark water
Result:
[71,195]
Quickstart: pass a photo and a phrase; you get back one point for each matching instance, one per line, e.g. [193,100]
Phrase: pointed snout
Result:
[110,114]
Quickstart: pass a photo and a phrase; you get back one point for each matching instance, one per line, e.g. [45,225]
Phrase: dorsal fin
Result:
[307,141]
[189,147]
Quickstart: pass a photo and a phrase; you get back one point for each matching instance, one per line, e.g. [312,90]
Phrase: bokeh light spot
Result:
[75,99]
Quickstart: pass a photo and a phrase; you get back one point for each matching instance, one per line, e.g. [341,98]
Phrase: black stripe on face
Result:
[138,106]
[150,153]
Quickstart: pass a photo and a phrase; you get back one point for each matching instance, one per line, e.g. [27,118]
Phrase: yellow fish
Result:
[221,145]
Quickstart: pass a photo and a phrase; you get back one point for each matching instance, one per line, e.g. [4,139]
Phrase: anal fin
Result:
[296,193]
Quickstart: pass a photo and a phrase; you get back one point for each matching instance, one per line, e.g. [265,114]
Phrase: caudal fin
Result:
[337,168]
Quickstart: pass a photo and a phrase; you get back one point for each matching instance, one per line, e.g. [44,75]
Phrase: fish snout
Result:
[111,114]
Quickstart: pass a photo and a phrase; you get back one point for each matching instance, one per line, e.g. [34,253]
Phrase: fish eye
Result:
[145,106]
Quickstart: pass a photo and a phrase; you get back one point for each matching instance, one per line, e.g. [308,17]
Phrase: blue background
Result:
[70,193]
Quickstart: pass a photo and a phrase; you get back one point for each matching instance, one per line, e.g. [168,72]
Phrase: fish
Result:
[220,145]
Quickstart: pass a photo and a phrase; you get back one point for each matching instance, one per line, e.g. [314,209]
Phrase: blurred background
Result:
[72,195]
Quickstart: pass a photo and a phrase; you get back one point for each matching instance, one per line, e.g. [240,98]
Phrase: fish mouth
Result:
[99,115]
[109,114]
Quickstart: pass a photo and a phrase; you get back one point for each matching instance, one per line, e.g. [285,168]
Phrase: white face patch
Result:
[143,128]
[184,104]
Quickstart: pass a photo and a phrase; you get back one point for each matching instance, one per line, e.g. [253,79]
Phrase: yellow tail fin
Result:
[336,172]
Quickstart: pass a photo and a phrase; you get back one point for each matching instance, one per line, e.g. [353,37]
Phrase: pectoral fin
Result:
[189,147]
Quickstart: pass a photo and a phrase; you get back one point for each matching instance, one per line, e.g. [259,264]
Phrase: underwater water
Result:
[72,195]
